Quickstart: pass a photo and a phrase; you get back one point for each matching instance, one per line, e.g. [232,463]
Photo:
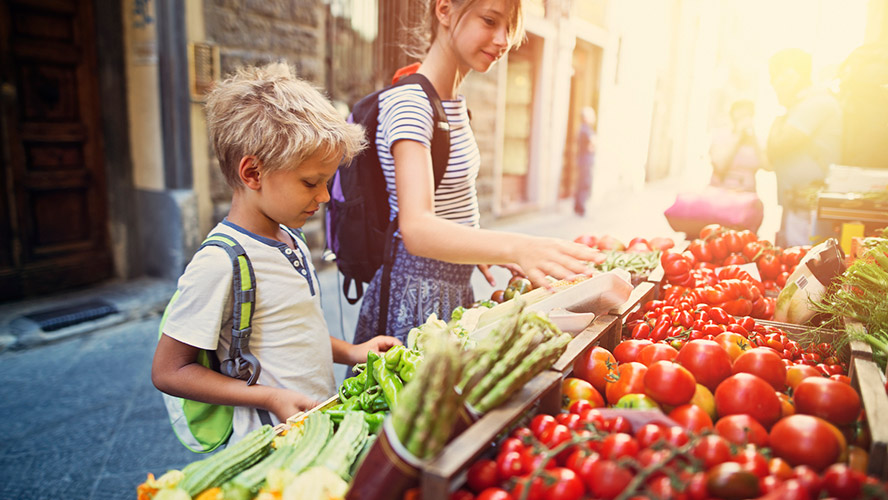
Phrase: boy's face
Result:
[291,195]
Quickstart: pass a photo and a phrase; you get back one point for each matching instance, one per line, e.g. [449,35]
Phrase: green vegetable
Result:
[371,376]
[389,381]
[342,449]
[457,313]
[352,386]
[410,360]
[373,401]
[318,429]
[374,420]
[393,356]
[219,468]
[247,483]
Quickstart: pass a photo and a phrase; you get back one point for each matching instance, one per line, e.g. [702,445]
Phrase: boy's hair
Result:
[282,120]
[423,35]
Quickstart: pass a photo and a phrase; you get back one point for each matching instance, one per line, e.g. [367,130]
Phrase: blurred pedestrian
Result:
[736,154]
[585,159]
[803,142]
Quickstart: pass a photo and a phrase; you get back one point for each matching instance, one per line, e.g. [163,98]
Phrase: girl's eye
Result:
[489,21]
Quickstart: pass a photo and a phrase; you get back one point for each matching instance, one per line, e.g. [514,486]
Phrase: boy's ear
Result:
[249,172]
[443,9]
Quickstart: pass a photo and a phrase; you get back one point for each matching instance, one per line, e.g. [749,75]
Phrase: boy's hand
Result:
[378,345]
[285,403]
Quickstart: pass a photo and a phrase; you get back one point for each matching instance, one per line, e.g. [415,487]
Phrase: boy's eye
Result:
[310,185]
[489,21]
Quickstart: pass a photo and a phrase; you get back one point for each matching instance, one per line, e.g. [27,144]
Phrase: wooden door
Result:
[53,218]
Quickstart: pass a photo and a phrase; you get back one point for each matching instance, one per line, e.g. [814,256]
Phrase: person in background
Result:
[585,159]
[802,143]
[736,154]
[439,239]
[278,141]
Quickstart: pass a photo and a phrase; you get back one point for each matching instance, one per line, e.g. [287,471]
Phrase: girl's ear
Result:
[248,171]
[443,9]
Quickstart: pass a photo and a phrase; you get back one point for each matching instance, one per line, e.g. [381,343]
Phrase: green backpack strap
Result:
[240,364]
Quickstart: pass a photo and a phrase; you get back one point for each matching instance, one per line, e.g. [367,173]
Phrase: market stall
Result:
[665,381]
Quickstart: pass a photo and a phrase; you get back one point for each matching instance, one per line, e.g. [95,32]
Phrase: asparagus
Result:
[448,408]
[435,392]
[411,400]
[490,348]
[543,356]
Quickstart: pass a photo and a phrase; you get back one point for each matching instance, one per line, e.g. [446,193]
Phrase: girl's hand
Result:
[485,270]
[285,403]
[378,344]
[554,257]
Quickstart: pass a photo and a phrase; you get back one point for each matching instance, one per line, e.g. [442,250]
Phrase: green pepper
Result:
[389,381]
[410,360]
[371,380]
[352,387]
[373,402]
[350,404]
[393,356]
[374,420]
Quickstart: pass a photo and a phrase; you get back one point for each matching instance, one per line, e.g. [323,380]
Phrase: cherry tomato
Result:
[564,485]
[540,423]
[731,480]
[627,350]
[841,481]
[482,474]
[712,450]
[494,494]
[691,417]
[741,429]
[608,479]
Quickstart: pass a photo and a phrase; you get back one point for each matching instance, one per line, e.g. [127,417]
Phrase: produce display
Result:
[696,396]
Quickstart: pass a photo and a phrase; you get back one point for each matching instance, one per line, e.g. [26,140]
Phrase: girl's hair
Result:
[282,120]
[422,36]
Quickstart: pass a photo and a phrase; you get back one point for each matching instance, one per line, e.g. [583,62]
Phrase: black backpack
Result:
[359,233]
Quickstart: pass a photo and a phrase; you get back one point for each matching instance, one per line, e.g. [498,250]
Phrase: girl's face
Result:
[479,36]
[291,195]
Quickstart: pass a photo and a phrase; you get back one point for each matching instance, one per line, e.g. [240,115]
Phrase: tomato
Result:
[733,241]
[576,389]
[841,481]
[792,256]
[619,445]
[780,468]
[720,316]
[593,417]
[628,379]
[661,243]
[752,460]
[594,365]
[564,485]
[462,494]
[787,406]
[738,307]
[768,266]
[711,229]
[663,487]
[509,465]
[796,373]
[831,400]
[805,440]
[712,450]
[742,429]
[533,460]
[656,352]
[669,383]
[704,398]
[765,363]
[627,350]
[482,474]
[745,393]
[514,444]
[733,343]
[607,479]
[696,487]
[718,247]
[536,487]
[617,423]
[731,480]
[691,417]
[494,494]
[707,361]
[540,423]
[637,402]
[735,259]
[649,434]
[554,436]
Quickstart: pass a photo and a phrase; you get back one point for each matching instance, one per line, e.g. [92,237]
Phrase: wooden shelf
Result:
[602,330]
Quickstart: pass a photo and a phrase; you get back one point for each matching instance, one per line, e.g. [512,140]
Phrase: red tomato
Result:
[494,494]
[676,435]
[805,440]
[841,481]
[691,417]
[701,252]
[462,494]
[509,465]
[555,436]
[513,444]
[627,350]
[742,429]
[733,241]
[669,383]
[731,480]
[594,365]
[619,445]
[536,489]
[655,352]
[769,266]
[712,450]
[733,343]
[796,373]
[711,229]
[745,393]
[752,460]
[628,379]
[765,363]
[565,485]
[718,247]
[707,361]
[576,389]
[608,479]
[482,474]
[809,479]
[735,259]
[648,434]
[540,423]
[831,400]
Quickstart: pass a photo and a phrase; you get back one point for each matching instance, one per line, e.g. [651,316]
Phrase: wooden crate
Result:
[642,293]
[603,330]
[870,383]
[446,472]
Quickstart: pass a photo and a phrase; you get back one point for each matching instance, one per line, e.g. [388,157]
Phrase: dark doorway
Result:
[53,215]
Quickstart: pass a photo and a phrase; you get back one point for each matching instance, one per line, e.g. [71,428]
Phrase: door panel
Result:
[56,214]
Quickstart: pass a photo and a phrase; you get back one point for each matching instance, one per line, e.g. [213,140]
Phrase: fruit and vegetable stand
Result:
[521,394]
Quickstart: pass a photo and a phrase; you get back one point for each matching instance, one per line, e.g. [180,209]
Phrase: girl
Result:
[439,240]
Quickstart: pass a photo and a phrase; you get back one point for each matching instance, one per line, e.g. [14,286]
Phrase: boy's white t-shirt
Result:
[290,336]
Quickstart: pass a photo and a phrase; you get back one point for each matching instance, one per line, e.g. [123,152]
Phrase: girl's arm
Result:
[427,235]
[175,371]
[351,354]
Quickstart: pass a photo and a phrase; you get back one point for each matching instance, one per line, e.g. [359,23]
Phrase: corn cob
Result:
[215,470]
[541,358]
[342,449]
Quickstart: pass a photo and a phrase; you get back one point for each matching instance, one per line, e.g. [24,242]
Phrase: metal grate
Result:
[61,317]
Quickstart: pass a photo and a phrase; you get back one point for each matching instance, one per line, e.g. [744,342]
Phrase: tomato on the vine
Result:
[482,474]
[594,365]
[628,379]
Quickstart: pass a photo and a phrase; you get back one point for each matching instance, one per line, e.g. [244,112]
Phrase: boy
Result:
[278,141]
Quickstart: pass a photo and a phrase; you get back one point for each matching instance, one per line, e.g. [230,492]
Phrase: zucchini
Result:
[246,484]
[342,449]
[219,468]
[318,429]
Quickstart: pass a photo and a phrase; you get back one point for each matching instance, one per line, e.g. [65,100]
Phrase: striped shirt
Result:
[406,113]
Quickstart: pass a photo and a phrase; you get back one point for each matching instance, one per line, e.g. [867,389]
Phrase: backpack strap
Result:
[240,364]
[440,150]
